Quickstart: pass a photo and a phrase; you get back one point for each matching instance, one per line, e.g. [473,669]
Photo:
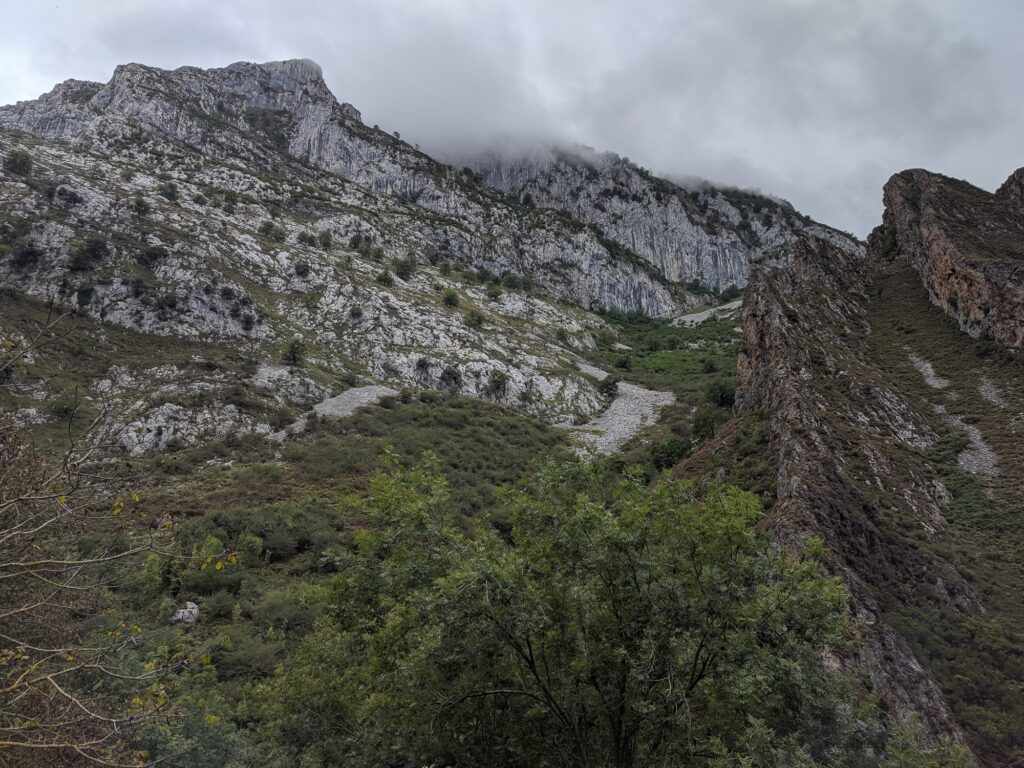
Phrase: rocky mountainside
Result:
[699,234]
[247,206]
[966,243]
[281,118]
[892,435]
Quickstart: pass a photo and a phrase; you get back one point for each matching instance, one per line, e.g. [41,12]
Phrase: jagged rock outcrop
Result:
[967,244]
[280,117]
[701,234]
[846,447]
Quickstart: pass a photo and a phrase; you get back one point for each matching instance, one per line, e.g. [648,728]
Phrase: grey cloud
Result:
[818,101]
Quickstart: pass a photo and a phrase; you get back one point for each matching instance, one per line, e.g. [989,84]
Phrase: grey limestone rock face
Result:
[282,113]
[696,233]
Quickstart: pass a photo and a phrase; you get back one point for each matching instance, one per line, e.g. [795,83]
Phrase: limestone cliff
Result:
[699,233]
[281,118]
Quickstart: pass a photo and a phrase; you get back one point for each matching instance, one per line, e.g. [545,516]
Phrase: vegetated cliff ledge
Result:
[846,451]
[966,243]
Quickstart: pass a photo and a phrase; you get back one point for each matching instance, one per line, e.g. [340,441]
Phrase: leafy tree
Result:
[706,421]
[613,624]
[326,240]
[721,394]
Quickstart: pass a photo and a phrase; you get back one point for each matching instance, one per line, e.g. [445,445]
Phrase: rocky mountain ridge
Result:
[966,243]
[704,235]
[891,434]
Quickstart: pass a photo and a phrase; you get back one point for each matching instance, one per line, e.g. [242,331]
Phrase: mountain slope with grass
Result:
[891,433]
[295,441]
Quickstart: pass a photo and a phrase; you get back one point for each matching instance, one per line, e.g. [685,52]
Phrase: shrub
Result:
[18,162]
[669,453]
[295,353]
[272,231]
[608,386]
[731,293]
[384,278]
[451,378]
[497,380]
[151,256]
[307,238]
[721,394]
[405,268]
[474,318]
[326,240]
[302,269]
[25,253]
[140,207]
[706,421]
[494,293]
[168,190]
[450,298]
[86,254]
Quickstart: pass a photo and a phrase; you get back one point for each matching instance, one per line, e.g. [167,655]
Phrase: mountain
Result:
[881,398]
[246,204]
[700,234]
[261,303]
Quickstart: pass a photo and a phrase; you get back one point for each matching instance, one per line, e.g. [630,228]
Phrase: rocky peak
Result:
[1013,188]
[967,244]
[699,234]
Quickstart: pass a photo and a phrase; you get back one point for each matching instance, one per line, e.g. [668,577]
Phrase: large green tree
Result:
[590,622]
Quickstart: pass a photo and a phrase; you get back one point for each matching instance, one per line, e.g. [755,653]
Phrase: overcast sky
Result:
[818,101]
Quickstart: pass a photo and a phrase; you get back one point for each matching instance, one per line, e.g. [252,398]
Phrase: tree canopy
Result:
[590,621]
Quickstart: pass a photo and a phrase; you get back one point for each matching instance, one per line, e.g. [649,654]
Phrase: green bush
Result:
[721,394]
[384,278]
[405,268]
[140,207]
[18,162]
[608,386]
[25,253]
[169,190]
[669,453]
[294,354]
[272,231]
[450,298]
[474,318]
[307,238]
[87,254]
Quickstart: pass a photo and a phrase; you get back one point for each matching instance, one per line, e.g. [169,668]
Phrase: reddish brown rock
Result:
[967,244]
